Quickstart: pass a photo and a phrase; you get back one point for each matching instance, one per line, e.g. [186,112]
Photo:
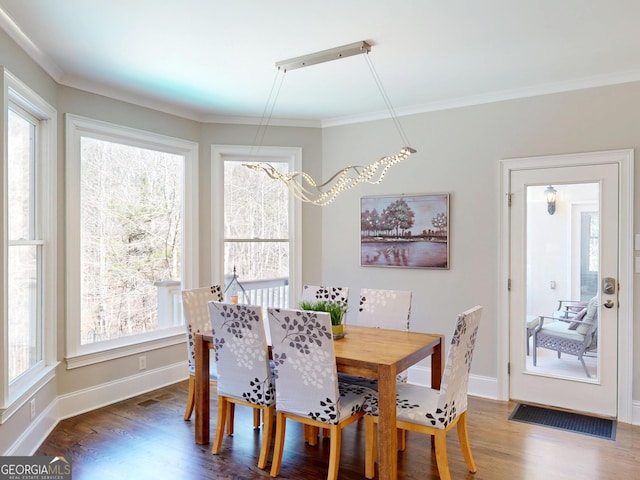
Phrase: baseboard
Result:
[37,431]
[82,401]
[635,413]
[485,387]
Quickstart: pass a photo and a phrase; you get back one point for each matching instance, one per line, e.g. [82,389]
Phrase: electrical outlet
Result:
[142,362]
[32,406]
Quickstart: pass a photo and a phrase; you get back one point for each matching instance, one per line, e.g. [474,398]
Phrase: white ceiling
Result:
[211,60]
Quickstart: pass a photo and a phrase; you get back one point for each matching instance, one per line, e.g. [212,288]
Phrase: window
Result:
[130,224]
[29,312]
[259,221]
[589,254]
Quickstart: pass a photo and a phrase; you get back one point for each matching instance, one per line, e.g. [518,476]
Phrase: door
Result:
[563,251]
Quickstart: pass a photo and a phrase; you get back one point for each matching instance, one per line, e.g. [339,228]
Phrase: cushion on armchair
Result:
[579,316]
[590,316]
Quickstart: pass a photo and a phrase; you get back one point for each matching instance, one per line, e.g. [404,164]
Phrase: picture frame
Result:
[406,231]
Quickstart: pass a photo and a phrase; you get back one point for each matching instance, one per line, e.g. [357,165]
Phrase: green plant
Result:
[335,310]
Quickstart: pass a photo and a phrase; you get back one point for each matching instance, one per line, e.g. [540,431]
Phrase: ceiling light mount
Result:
[344,51]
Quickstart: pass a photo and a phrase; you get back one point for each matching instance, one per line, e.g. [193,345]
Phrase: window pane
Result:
[256,260]
[25,347]
[131,237]
[20,177]
[255,206]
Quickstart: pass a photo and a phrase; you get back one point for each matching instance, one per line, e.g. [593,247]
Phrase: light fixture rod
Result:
[325,56]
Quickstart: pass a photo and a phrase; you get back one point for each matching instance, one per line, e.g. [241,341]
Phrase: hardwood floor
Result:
[146,438]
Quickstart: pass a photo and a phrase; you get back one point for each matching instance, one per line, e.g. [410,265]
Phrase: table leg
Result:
[387,438]
[437,364]
[202,390]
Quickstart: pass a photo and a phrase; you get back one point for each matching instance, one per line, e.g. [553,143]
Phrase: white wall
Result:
[459,152]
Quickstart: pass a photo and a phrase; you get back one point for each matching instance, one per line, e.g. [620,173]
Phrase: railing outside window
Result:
[269,292]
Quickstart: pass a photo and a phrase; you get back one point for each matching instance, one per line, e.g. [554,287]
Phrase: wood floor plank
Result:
[146,438]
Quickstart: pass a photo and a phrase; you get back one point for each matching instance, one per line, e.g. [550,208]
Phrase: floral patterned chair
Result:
[194,304]
[382,309]
[307,387]
[244,372]
[316,293]
[434,412]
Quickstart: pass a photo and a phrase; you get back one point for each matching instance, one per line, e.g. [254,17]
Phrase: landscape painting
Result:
[410,231]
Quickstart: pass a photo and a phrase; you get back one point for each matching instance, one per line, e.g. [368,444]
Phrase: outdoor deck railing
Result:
[268,292]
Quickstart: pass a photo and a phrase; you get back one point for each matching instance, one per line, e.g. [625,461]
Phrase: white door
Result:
[564,252]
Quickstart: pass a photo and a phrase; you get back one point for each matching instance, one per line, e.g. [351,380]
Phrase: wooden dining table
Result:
[366,351]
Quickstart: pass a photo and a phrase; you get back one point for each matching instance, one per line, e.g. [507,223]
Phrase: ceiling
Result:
[214,60]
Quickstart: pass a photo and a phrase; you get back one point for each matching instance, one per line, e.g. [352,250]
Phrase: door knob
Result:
[609,304]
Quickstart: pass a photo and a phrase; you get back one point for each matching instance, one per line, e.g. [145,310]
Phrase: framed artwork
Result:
[410,231]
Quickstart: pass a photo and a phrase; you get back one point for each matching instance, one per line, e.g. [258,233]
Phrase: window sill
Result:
[111,353]
[18,398]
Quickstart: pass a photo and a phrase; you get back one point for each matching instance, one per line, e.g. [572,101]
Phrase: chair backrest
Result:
[590,318]
[318,293]
[241,353]
[196,315]
[305,364]
[385,308]
[455,379]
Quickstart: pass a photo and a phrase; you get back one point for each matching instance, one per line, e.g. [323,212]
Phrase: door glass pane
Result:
[562,277]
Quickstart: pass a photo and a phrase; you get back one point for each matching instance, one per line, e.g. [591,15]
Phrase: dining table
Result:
[365,351]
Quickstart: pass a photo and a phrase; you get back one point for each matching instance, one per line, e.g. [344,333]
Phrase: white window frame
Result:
[16,393]
[78,355]
[220,153]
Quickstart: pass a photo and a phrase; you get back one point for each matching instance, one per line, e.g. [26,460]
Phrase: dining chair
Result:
[382,309]
[194,304]
[307,387]
[434,412]
[319,293]
[244,372]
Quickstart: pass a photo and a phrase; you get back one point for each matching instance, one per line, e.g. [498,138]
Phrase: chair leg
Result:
[441,455]
[584,365]
[223,405]
[370,446]
[334,452]
[191,398]
[266,436]
[402,439]
[231,414]
[279,444]
[463,437]
[312,438]
[256,418]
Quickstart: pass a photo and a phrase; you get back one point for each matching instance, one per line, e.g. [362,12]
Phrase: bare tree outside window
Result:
[131,236]
[256,223]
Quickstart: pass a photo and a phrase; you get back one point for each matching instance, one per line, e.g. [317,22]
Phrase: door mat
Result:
[571,422]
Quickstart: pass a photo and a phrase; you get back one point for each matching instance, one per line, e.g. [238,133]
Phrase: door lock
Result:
[609,286]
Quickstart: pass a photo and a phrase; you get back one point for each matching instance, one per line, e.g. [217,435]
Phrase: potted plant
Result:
[335,310]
